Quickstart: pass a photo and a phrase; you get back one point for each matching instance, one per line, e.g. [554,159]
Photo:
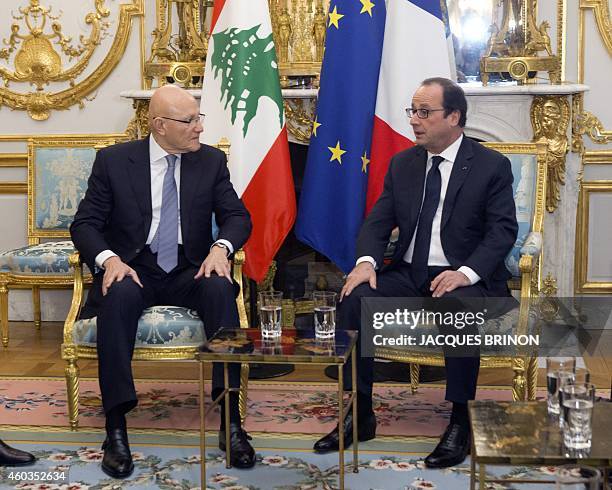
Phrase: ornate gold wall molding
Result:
[550,116]
[582,284]
[602,17]
[38,63]
[587,123]
[13,160]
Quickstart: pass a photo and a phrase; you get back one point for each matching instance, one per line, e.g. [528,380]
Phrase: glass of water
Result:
[577,406]
[324,314]
[558,370]
[577,477]
[270,307]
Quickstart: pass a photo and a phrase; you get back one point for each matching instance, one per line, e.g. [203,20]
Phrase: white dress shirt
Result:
[436,252]
[159,165]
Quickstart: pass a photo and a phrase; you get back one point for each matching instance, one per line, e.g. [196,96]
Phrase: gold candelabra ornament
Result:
[178,51]
[514,48]
[299,28]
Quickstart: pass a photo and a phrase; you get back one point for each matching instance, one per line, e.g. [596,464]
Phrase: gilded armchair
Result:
[529,171]
[58,168]
[165,333]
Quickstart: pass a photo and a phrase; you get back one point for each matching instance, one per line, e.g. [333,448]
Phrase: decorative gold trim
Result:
[562,35]
[550,117]
[602,17]
[13,188]
[70,141]
[582,285]
[587,123]
[597,157]
[39,104]
[13,160]
[299,118]
[577,142]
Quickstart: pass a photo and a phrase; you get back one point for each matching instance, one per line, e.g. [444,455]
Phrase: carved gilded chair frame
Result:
[13,280]
[525,369]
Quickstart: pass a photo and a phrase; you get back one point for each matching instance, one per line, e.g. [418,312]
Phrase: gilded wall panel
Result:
[52,61]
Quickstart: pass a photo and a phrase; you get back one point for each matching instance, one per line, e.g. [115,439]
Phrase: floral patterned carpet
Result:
[177,468]
[272,407]
[284,419]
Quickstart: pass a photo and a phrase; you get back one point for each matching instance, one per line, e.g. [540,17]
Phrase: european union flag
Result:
[332,203]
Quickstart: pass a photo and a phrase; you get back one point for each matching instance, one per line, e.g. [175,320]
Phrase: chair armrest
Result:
[238,262]
[532,245]
[77,297]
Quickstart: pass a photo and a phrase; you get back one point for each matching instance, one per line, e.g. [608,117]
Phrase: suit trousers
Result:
[213,298]
[461,372]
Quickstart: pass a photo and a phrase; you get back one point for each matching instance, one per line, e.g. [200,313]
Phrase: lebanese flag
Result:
[242,100]
[414,48]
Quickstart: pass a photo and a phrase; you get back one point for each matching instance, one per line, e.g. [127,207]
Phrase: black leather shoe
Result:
[365,432]
[452,449]
[14,457]
[117,461]
[242,453]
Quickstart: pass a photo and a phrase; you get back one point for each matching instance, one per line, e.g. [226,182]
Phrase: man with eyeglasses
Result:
[452,200]
[144,228]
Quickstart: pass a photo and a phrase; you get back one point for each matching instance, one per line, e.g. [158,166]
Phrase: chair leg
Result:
[242,395]
[4,327]
[72,386]
[415,370]
[36,306]
[532,378]
[518,381]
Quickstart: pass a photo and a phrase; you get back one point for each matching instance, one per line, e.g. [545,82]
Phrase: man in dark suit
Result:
[9,456]
[452,201]
[145,228]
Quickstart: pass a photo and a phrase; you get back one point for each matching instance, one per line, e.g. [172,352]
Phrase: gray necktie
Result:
[165,242]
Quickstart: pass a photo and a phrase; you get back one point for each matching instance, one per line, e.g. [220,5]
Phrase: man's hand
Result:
[447,281]
[217,262]
[363,272]
[115,270]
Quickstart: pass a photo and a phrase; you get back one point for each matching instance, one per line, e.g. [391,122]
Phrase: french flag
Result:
[414,48]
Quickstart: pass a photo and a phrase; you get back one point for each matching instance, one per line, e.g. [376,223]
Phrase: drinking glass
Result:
[270,307]
[580,376]
[324,314]
[577,477]
[558,369]
[577,407]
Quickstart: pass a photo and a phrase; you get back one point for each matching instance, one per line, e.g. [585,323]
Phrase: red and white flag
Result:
[242,100]
[414,48]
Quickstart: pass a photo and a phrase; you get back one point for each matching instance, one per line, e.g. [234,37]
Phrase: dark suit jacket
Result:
[478,226]
[115,213]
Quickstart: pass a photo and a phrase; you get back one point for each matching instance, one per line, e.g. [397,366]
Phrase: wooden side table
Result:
[245,345]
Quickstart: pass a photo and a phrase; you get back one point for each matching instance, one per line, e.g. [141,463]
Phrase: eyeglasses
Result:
[421,113]
[192,122]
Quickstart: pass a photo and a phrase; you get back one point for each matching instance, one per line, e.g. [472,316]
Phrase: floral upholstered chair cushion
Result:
[44,258]
[158,326]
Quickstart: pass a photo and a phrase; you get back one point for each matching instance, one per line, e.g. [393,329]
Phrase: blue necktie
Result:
[165,241]
[431,199]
